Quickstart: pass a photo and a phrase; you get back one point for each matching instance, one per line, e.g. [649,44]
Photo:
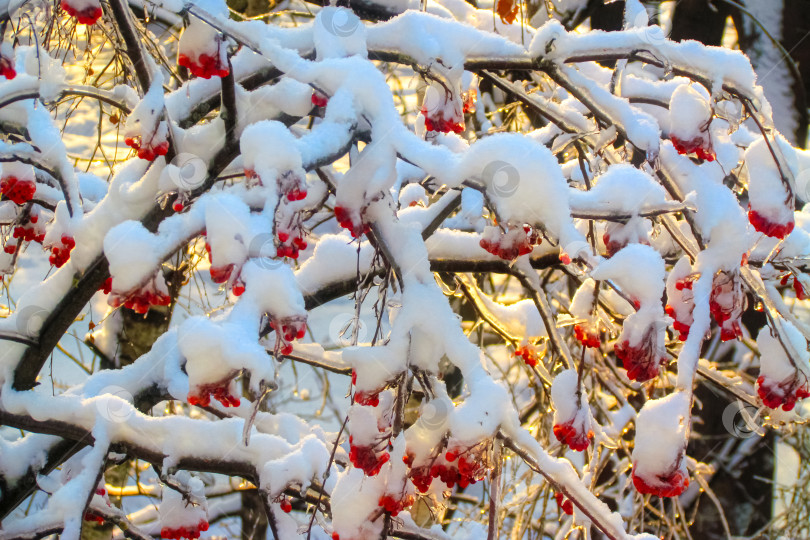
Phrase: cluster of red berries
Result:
[696,146]
[292,186]
[106,287]
[24,234]
[768,227]
[147,151]
[139,300]
[682,317]
[801,294]
[219,274]
[192,531]
[613,246]
[574,436]
[466,471]
[642,361]
[528,354]
[287,330]
[367,458]
[347,220]
[619,235]
[206,66]
[680,327]
[318,99]
[511,244]
[727,303]
[60,254]
[90,516]
[368,399]
[290,244]
[438,122]
[224,274]
[221,391]
[783,394]
[420,476]
[587,334]
[28,234]
[7,68]
[296,194]
[564,504]
[17,190]
[470,468]
[394,505]
[668,485]
[88,15]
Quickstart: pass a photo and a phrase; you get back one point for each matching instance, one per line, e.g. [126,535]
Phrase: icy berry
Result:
[20,191]
[768,227]
[367,459]
[564,504]
[670,484]
[511,244]
[204,66]
[576,440]
[698,146]
[587,335]
[394,505]
[352,221]
[7,68]
[528,354]
[83,11]
[220,391]
[60,252]
[642,361]
[90,516]
[784,394]
[318,99]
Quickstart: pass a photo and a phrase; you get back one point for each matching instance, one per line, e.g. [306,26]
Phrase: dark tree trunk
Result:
[700,20]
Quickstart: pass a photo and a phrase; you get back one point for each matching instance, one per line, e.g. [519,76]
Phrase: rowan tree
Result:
[390,270]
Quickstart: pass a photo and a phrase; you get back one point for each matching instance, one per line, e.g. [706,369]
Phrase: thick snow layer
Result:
[774,363]
[716,64]
[767,194]
[660,434]
[689,112]
[622,189]
[638,269]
